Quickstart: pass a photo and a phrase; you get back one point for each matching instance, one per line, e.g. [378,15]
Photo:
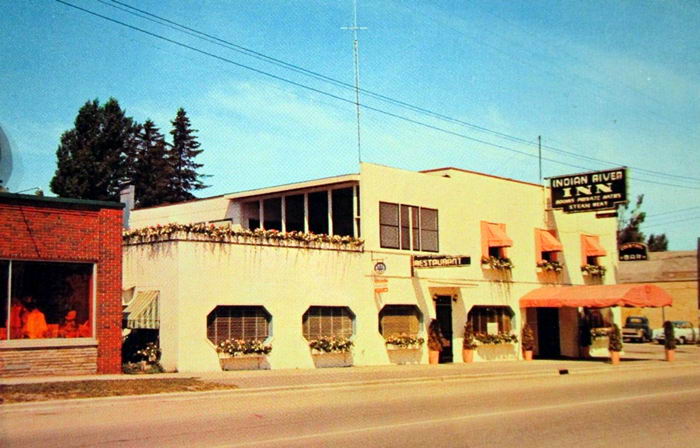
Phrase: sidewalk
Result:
[285,379]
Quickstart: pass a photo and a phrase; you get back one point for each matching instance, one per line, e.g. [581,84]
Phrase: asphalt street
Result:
[654,407]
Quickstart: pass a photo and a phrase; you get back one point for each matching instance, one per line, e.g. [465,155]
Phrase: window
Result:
[321,321]
[547,246]
[43,300]
[342,212]
[251,214]
[491,319]
[318,212]
[591,249]
[494,240]
[238,322]
[294,212]
[272,214]
[389,225]
[399,319]
[408,227]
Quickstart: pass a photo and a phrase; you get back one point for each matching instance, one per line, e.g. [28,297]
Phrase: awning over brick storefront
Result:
[597,296]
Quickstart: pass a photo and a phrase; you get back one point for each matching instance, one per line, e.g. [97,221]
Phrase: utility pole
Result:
[356,57]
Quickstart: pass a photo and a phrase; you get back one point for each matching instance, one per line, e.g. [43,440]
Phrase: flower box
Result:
[244,362]
[331,359]
[497,263]
[593,270]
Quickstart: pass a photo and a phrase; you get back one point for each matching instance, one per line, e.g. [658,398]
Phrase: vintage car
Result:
[684,332]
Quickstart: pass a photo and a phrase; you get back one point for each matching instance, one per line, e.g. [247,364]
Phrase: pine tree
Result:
[181,154]
[629,227]
[150,169]
[657,243]
[92,156]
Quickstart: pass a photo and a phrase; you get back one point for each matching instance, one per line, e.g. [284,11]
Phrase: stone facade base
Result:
[48,361]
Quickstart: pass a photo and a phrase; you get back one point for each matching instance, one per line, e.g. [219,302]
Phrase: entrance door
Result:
[548,332]
[443,311]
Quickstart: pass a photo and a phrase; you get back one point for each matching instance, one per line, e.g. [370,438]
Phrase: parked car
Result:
[684,332]
[636,329]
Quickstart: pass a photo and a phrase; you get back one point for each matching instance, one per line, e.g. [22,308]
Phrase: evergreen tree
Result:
[657,243]
[92,156]
[181,154]
[150,167]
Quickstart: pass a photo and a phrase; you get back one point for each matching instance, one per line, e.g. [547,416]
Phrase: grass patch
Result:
[16,393]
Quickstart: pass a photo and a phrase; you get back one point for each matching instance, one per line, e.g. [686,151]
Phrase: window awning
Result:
[495,235]
[142,312]
[597,296]
[548,242]
[590,245]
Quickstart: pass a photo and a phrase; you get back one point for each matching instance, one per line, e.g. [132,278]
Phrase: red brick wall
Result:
[51,231]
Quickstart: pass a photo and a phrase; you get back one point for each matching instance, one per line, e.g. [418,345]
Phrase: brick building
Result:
[60,286]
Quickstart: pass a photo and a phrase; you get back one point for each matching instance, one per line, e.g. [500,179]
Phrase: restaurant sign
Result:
[632,252]
[439,261]
[589,192]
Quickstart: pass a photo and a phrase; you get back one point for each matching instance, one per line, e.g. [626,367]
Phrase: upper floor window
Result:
[494,240]
[408,227]
[547,246]
[591,250]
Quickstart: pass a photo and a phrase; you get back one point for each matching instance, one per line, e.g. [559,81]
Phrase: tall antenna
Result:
[356,55]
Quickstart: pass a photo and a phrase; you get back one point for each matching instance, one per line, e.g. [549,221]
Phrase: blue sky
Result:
[617,81]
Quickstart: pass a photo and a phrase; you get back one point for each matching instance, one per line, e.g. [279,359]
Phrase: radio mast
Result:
[356,56]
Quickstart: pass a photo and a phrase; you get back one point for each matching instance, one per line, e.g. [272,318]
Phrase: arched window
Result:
[238,322]
[334,321]
[400,319]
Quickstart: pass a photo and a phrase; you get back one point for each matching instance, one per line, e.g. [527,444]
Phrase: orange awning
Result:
[597,296]
[548,242]
[496,235]
[591,246]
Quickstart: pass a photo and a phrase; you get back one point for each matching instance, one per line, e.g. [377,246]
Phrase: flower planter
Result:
[244,362]
[527,355]
[467,355]
[615,358]
[404,355]
[497,352]
[433,356]
[324,360]
[670,355]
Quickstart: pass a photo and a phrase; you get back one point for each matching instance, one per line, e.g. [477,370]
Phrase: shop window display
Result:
[43,300]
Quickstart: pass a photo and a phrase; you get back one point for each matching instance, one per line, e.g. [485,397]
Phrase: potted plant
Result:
[435,341]
[469,343]
[669,341]
[528,341]
[615,344]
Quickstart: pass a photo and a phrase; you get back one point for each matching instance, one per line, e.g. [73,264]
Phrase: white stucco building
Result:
[424,236]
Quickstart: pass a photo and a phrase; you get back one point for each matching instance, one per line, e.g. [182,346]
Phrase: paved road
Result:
[656,408]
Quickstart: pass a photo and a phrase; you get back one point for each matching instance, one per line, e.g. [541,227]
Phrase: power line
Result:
[670,223]
[339,98]
[298,69]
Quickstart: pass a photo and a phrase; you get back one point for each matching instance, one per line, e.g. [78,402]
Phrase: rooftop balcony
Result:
[229,234]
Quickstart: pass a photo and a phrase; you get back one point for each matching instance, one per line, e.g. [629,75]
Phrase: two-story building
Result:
[365,256]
